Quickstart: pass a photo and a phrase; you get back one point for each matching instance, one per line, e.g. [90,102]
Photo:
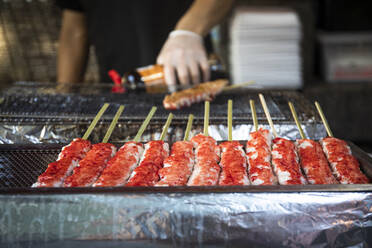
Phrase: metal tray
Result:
[20,165]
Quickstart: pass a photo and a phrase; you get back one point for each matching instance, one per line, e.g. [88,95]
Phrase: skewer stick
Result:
[166,126]
[113,124]
[95,120]
[229,118]
[324,120]
[206,117]
[234,86]
[295,117]
[254,115]
[267,113]
[144,124]
[188,127]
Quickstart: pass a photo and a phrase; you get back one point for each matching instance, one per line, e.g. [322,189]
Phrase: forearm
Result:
[73,48]
[203,15]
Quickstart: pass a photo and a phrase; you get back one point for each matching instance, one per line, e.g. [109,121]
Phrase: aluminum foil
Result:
[10,134]
[307,219]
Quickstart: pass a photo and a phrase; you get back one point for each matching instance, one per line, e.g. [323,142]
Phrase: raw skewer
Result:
[206,117]
[229,119]
[258,149]
[267,113]
[95,120]
[284,156]
[179,165]
[188,127]
[344,165]
[312,158]
[91,167]
[254,115]
[207,154]
[68,159]
[156,151]
[233,160]
[120,167]
[295,117]
[324,119]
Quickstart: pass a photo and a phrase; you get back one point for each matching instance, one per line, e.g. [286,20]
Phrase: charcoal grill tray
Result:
[36,106]
[20,165]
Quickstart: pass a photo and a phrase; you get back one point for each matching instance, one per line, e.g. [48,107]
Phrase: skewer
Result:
[206,117]
[234,86]
[95,120]
[113,124]
[229,118]
[144,124]
[267,113]
[254,115]
[188,127]
[324,120]
[295,117]
[166,126]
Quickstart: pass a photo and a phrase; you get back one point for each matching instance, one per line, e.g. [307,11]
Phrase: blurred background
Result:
[322,48]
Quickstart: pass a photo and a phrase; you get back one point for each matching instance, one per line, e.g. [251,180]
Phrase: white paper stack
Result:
[265,47]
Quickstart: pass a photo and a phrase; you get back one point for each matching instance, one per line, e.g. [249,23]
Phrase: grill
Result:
[32,103]
[22,164]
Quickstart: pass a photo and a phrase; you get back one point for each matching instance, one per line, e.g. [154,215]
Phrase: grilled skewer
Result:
[258,150]
[344,165]
[312,159]
[156,151]
[68,159]
[179,165]
[284,156]
[120,167]
[207,155]
[91,167]
[233,160]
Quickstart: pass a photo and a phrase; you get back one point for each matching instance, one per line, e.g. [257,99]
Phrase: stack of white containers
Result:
[265,47]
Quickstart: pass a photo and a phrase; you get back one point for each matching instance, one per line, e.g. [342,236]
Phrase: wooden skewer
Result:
[113,124]
[188,127]
[95,120]
[254,115]
[206,117]
[144,124]
[324,120]
[267,113]
[229,118]
[166,126]
[235,86]
[295,117]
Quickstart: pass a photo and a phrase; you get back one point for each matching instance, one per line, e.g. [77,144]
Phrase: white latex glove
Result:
[184,53]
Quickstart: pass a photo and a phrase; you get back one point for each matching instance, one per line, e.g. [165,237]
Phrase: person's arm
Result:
[184,52]
[73,48]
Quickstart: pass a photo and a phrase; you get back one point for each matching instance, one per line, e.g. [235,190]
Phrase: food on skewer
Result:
[344,165]
[312,159]
[156,151]
[233,161]
[207,155]
[91,167]
[284,156]
[68,159]
[201,92]
[258,150]
[179,165]
[120,167]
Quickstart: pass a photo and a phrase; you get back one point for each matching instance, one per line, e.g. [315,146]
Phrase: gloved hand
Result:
[184,53]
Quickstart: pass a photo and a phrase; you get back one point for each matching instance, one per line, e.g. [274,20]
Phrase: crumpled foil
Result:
[306,219]
[10,134]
